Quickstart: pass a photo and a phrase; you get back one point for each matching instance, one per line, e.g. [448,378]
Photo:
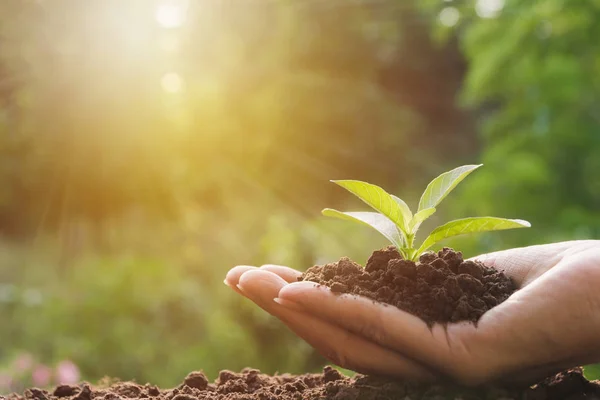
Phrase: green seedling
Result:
[399,225]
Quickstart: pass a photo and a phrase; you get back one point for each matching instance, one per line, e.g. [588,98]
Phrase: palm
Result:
[548,325]
[543,327]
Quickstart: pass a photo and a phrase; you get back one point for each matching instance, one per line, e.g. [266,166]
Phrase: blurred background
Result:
[148,146]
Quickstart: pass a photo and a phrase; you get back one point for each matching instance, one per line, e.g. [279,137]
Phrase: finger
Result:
[233,276]
[262,287]
[353,352]
[385,325]
[339,346]
[288,274]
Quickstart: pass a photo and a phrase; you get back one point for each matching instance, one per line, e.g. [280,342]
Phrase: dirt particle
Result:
[469,284]
[129,390]
[453,258]
[111,396]
[196,380]
[152,391]
[182,396]
[453,288]
[85,393]
[569,384]
[339,287]
[331,374]
[471,268]
[225,376]
[401,267]
[233,386]
[36,394]
[65,390]
[427,257]
[380,258]
[440,265]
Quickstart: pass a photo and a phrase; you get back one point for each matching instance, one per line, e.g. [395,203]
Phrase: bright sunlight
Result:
[171,14]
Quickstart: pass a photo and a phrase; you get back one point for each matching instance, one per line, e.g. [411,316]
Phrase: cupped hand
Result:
[550,324]
[262,286]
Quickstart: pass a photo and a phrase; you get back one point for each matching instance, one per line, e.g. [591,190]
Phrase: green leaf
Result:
[377,221]
[378,199]
[443,184]
[470,225]
[418,219]
[406,213]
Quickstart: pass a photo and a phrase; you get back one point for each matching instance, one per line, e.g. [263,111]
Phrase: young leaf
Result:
[470,225]
[443,184]
[406,213]
[378,199]
[376,221]
[418,219]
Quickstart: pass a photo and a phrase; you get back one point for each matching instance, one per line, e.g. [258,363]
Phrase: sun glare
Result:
[172,82]
[171,14]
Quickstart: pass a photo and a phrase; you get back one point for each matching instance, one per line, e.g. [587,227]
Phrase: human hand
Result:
[550,324]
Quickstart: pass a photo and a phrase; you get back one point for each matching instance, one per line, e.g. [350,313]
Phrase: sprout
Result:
[396,222]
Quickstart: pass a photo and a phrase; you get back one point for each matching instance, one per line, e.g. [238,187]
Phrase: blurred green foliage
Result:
[533,85]
[125,202]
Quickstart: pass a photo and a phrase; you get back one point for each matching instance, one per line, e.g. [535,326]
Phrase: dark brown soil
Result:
[440,287]
[330,385]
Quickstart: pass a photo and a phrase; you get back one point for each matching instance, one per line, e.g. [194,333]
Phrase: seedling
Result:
[396,222]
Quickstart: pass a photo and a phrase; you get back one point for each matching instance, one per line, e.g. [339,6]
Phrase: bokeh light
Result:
[489,8]
[449,16]
[171,13]
[171,82]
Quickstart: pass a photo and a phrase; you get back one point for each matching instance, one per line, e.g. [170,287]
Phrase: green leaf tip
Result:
[441,186]
[378,199]
[470,225]
[525,224]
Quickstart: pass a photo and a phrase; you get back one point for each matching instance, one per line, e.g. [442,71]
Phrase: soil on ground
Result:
[250,384]
[440,287]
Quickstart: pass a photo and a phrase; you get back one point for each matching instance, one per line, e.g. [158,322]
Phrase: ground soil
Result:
[440,287]
[329,385]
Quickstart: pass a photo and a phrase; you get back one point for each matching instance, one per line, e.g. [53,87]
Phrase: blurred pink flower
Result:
[23,362]
[41,376]
[67,373]
[6,382]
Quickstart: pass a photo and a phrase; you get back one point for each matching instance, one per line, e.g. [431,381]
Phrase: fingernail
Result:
[226,283]
[287,304]
[239,288]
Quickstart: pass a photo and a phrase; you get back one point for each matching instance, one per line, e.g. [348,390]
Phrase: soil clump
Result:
[439,288]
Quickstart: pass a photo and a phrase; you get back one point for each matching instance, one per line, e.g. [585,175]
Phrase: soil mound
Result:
[250,384]
[440,287]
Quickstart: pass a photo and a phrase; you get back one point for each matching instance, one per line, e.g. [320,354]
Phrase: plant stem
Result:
[410,238]
[410,252]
